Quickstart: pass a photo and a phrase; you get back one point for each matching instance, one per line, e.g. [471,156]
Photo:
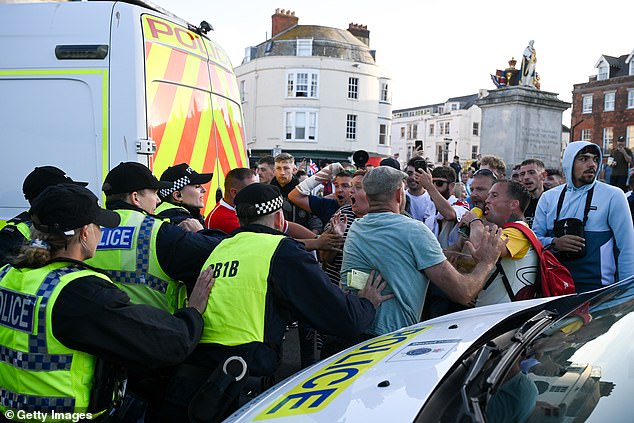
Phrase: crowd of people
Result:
[150,291]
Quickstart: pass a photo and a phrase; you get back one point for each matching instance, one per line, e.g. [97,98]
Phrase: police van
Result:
[557,359]
[87,85]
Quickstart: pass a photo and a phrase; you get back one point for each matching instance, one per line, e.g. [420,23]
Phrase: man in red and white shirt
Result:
[223,216]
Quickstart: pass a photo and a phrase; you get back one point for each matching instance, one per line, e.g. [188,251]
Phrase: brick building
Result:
[603,107]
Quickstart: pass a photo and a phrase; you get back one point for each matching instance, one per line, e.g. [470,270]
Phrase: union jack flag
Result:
[312,168]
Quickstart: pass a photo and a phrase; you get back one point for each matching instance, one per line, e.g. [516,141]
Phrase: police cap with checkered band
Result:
[258,200]
[181,175]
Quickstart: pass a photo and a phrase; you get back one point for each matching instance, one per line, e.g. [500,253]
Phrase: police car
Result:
[558,359]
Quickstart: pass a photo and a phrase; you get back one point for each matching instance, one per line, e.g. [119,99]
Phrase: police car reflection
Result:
[558,359]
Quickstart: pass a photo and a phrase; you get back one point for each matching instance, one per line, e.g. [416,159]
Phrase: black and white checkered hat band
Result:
[176,186]
[268,207]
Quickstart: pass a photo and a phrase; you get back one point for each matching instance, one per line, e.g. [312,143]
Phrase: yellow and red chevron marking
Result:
[188,123]
[229,135]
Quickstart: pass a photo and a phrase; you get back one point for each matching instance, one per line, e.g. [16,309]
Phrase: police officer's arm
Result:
[182,254]
[299,283]
[93,315]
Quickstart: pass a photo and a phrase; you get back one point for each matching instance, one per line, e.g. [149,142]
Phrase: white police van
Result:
[556,359]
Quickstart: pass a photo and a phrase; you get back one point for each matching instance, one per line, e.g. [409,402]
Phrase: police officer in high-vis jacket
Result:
[264,281]
[65,329]
[17,229]
[147,257]
[185,198]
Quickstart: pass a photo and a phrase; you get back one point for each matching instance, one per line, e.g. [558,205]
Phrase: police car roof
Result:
[386,378]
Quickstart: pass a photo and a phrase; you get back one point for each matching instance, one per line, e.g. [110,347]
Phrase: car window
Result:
[578,368]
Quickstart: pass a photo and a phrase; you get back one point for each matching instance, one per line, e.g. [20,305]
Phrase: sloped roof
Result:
[465,101]
[327,42]
[618,67]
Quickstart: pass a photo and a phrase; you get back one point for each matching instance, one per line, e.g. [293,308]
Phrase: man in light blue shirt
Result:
[406,253]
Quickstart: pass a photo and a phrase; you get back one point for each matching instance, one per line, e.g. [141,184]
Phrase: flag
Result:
[312,168]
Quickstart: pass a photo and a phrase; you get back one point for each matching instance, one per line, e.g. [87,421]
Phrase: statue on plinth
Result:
[525,76]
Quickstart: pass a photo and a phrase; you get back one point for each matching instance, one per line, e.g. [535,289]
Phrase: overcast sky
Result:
[434,50]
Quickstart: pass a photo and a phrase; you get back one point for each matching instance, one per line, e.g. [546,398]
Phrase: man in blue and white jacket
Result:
[608,233]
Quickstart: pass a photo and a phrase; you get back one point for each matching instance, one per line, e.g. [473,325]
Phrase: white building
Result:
[442,130]
[314,92]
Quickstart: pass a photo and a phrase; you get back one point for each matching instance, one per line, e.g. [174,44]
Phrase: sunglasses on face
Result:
[486,172]
[440,183]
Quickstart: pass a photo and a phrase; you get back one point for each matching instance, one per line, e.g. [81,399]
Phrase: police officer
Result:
[17,229]
[66,328]
[265,280]
[184,199]
[147,257]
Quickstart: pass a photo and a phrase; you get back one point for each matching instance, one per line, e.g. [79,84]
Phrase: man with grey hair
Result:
[406,253]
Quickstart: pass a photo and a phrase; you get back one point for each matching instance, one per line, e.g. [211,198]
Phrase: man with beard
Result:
[443,217]
[518,260]
[532,175]
[482,182]
[591,255]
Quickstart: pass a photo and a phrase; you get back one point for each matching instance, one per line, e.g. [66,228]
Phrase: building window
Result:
[454,106]
[431,129]
[607,139]
[603,73]
[587,104]
[439,151]
[441,109]
[632,67]
[383,134]
[474,152]
[304,47]
[444,128]
[412,131]
[302,84]
[608,102]
[385,93]
[476,128]
[630,99]
[402,132]
[301,125]
[351,127]
[242,93]
[353,88]
[586,135]
[629,136]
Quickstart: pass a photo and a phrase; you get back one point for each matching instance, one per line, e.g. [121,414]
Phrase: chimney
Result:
[361,32]
[282,20]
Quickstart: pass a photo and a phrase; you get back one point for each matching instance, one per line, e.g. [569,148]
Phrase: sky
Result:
[435,50]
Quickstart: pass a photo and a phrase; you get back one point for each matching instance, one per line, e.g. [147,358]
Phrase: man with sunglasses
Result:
[444,215]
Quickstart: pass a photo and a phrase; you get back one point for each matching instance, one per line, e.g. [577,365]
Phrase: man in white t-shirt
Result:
[418,201]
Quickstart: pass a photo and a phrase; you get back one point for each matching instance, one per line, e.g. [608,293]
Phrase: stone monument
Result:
[519,121]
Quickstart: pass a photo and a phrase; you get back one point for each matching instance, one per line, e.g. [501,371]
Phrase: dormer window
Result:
[604,72]
[632,67]
[304,47]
